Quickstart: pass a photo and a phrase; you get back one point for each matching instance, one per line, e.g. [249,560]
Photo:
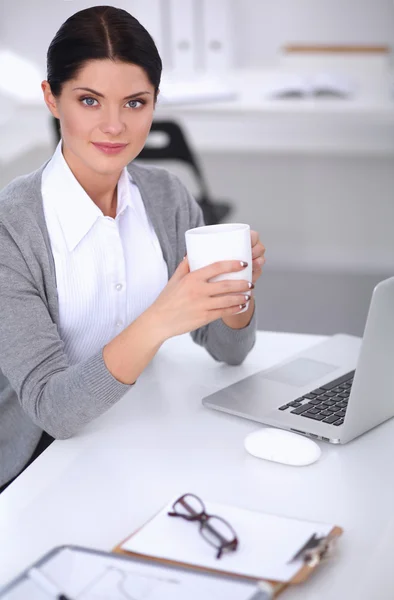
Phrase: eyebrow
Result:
[86,89]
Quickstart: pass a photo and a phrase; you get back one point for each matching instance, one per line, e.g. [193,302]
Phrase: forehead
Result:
[113,77]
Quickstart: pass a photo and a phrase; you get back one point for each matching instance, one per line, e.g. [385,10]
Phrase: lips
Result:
[109,148]
[109,145]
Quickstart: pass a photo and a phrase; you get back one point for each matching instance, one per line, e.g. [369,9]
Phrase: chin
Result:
[109,165]
[108,170]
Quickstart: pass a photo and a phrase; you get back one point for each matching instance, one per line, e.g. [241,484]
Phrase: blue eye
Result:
[89,101]
[135,103]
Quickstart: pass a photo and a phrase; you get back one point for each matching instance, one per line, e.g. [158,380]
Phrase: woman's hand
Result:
[258,251]
[190,300]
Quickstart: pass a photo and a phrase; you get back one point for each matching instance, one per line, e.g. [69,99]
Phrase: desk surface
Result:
[159,440]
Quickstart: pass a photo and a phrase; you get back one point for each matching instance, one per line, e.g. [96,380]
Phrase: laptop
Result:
[333,391]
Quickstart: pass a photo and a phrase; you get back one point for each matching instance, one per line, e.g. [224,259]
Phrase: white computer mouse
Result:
[282,446]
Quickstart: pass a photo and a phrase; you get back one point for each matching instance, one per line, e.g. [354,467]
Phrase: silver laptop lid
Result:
[371,401]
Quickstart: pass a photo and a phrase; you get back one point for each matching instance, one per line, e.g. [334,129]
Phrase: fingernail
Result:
[251,285]
[244,264]
[247,297]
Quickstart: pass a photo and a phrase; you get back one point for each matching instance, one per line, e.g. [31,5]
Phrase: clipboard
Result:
[312,553]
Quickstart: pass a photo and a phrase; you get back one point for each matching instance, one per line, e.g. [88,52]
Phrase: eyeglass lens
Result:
[217,532]
[189,506]
[214,530]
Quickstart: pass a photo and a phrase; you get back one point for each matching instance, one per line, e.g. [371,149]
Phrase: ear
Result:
[50,99]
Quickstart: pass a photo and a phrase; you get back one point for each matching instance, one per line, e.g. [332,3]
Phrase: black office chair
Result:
[177,148]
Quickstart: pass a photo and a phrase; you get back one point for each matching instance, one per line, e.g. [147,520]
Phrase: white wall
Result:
[263,26]
[314,212]
[259,27]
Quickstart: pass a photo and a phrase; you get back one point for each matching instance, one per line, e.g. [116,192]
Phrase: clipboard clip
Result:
[314,550]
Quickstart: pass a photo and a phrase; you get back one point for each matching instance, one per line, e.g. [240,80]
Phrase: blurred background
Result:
[278,113]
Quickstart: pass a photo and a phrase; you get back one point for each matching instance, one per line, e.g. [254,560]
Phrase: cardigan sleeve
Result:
[59,398]
[222,342]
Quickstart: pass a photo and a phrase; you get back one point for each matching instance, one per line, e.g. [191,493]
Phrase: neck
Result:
[102,189]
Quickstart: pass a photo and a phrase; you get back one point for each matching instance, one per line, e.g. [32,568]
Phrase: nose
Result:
[112,123]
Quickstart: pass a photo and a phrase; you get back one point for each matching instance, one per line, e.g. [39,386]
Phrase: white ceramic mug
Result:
[212,243]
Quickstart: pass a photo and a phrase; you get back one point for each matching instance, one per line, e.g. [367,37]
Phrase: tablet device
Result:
[86,574]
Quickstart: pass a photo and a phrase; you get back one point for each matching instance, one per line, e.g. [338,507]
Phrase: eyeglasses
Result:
[215,530]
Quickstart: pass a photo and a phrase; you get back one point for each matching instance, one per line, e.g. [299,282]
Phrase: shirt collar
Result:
[124,192]
[76,211]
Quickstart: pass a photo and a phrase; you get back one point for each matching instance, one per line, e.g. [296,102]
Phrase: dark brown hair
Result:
[97,33]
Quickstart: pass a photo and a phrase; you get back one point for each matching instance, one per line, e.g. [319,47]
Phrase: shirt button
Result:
[118,287]
[119,324]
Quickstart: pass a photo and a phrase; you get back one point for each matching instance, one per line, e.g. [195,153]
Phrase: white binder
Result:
[182,35]
[216,34]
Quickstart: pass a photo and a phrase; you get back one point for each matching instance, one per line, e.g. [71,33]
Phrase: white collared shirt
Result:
[108,271]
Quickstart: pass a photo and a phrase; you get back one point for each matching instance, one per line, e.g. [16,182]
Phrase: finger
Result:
[256,273]
[181,270]
[258,250]
[220,268]
[225,312]
[254,237]
[258,263]
[228,301]
[229,286]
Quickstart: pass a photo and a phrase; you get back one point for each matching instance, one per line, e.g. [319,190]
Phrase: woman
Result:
[92,275]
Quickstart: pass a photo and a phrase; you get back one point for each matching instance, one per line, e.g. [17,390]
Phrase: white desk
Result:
[159,440]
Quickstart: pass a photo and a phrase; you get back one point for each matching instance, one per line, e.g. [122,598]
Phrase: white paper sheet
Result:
[266,542]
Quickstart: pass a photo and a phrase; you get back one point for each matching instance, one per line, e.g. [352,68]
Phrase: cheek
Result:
[74,123]
[141,125]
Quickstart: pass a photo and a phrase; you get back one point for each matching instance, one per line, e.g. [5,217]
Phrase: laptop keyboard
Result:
[327,403]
